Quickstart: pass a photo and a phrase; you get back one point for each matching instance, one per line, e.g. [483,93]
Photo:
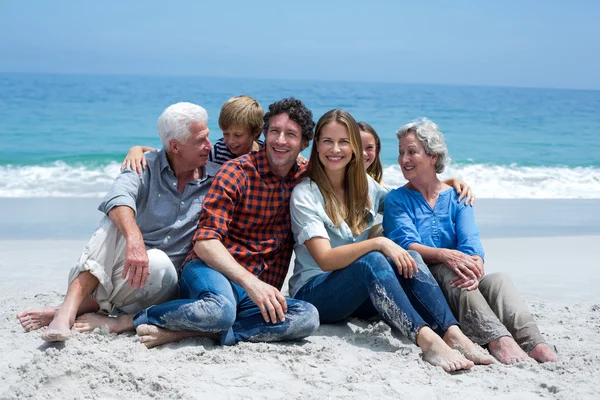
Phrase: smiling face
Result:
[333,146]
[283,141]
[238,140]
[192,152]
[413,160]
[369,147]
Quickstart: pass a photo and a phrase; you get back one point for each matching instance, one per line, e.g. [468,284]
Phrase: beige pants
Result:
[104,257]
[493,310]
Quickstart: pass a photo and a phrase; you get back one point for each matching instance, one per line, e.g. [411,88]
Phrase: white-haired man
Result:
[131,261]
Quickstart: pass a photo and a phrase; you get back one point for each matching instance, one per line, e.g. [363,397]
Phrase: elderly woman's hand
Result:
[463,265]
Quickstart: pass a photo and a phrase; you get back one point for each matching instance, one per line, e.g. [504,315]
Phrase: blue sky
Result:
[509,43]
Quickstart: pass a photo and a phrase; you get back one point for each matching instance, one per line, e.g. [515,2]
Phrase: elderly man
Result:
[131,261]
[230,284]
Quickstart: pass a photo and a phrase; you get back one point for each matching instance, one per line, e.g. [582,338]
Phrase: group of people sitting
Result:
[197,240]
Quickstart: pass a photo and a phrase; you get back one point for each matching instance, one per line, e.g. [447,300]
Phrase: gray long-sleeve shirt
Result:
[166,218]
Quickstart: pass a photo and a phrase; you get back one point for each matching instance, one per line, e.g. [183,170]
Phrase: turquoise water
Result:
[64,135]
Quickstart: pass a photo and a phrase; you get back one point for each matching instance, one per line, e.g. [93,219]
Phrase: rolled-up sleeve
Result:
[398,225]
[306,222]
[467,232]
[123,191]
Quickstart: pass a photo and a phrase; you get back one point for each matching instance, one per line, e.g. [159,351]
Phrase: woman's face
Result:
[333,146]
[413,160]
[369,147]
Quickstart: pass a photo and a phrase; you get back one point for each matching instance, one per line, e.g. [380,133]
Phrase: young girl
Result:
[343,274]
[371,146]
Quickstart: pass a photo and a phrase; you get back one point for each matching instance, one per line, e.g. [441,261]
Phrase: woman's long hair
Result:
[354,207]
[375,169]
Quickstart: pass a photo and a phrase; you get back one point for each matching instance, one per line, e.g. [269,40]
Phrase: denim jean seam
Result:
[435,318]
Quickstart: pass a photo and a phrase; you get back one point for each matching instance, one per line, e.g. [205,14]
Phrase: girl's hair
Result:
[354,207]
[375,169]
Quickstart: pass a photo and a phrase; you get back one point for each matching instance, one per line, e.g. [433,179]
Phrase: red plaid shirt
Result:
[247,208]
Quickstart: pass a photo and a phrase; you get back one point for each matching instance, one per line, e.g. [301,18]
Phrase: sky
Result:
[522,43]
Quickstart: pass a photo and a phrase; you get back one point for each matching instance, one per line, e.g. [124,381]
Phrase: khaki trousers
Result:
[104,257]
[493,310]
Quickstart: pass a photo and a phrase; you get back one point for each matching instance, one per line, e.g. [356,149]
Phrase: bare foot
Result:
[152,336]
[59,329]
[543,353]
[458,341]
[507,351]
[36,318]
[437,352]
[89,322]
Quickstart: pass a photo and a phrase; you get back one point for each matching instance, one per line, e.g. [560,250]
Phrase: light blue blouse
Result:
[408,219]
[309,220]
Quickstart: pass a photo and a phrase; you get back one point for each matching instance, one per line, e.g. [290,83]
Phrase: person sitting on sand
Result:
[230,284]
[426,216]
[240,120]
[343,273]
[130,261]
[371,146]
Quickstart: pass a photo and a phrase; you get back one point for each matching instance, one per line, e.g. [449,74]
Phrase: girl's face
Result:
[333,146]
[369,147]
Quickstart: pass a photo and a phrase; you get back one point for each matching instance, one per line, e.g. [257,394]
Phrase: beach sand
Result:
[547,247]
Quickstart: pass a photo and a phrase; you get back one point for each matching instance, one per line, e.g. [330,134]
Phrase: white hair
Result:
[174,123]
[428,133]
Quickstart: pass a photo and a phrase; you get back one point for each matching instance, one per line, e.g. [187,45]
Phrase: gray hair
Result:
[428,133]
[174,123]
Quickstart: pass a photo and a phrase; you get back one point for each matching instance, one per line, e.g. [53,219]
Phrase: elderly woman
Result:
[426,216]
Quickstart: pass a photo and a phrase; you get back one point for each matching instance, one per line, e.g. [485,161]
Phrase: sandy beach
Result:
[547,246]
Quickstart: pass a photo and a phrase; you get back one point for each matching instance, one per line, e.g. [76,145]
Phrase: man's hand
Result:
[269,300]
[136,263]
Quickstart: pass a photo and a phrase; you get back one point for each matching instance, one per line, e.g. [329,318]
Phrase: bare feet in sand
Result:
[437,352]
[543,353]
[152,336]
[457,340]
[507,351]
[59,329]
[89,322]
[36,318]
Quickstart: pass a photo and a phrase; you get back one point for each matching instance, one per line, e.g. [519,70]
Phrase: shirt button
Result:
[168,237]
[159,195]
[182,203]
[174,183]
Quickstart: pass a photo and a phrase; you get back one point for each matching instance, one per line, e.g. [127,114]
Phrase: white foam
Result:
[504,182]
[56,180]
[515,182]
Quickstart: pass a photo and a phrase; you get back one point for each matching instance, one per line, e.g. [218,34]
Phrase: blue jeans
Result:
[372,285]
[211,303]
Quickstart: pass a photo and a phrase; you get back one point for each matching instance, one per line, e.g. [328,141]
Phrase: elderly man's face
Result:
[193,152]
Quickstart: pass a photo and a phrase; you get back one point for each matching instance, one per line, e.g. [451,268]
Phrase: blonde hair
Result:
[244,112]
[354,207]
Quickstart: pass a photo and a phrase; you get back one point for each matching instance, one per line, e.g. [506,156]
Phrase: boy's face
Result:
[238,140]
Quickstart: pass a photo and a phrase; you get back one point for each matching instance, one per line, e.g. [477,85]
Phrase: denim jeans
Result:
[211,303]
[372,285]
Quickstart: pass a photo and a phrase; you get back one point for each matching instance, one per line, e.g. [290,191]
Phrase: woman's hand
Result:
[135,159]
[463,190]
[463,265]
[301,159]
[406,265]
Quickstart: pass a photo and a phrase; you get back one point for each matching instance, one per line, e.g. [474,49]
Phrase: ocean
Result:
[65,135]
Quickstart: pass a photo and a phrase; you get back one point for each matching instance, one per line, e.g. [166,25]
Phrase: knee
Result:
[161,267]
[214,311]
[418,259]
[304,319]
[376,263]
[497,279]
